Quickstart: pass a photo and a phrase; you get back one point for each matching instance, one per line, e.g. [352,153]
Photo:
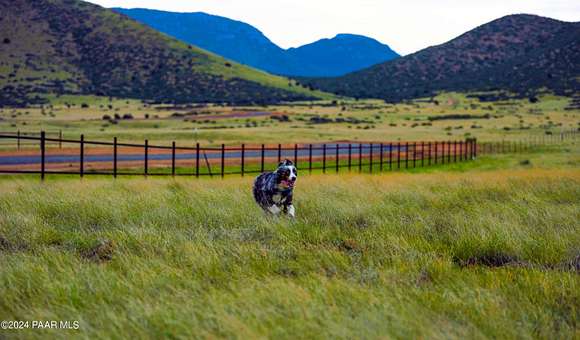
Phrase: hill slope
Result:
[517,53]
[68,46]
[244,43]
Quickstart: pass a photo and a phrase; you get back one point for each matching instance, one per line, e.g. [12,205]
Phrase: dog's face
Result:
[287,174]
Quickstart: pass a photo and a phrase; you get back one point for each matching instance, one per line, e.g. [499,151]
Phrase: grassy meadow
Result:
[485,249]
[328,121]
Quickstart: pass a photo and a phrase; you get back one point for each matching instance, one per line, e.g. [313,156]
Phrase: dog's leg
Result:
[291,211]
[274,209]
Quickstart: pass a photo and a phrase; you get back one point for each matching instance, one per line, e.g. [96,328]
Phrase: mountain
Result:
[340,55]
[521,54]
[245,44]
[73,47]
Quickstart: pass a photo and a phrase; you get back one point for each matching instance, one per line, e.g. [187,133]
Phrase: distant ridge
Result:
[520,54]
[73,47]
[244,43]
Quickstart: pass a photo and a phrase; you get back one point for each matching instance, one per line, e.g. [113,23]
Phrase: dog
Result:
[273,191]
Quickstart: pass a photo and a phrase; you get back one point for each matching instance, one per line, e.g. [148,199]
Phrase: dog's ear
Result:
[286,162]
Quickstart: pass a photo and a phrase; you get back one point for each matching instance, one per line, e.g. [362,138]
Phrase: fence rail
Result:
[20,141]
[87,157]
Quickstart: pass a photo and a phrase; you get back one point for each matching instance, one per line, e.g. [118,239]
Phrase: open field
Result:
[492,252]
[365,120]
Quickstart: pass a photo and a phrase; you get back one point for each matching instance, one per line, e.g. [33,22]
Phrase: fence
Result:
[118,159]
[19,142]
[515,146]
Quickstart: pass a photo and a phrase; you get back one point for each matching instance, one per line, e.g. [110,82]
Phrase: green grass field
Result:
[485,249]
[364,120]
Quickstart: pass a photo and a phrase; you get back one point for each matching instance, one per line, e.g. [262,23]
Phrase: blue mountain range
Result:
[245,44]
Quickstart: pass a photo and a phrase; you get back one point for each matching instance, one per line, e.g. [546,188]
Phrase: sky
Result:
[405,25]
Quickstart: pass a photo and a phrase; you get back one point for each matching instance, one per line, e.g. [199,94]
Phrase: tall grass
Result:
[483,255]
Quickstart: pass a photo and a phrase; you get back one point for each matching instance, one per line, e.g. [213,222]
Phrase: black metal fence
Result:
[83,157]
[116,159]
[520,145]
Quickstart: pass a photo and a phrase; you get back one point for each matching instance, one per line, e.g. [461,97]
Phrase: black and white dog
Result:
[273,190]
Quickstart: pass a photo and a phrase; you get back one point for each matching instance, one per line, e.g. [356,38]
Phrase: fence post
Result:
[371,158]
[173,159]
[337,157]
[399,156]
[42,154]
[223,160]
[296,155]
[466,149]
[454,151]
[146,172]
[461,151]
[414,155]
[391,156]
[197,160]
[429,156]
[474,148]
[262,158]
[243,156]
[448,152]
[18,139]
[436,152]
[310,158]
[360,157]
[407,155]
[381,157]
[423,154]
[323,158]
[114,157]
[82,156]
[60,139]
[349,156]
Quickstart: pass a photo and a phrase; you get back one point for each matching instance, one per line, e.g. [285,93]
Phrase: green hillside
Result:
[517,54]
[73,47]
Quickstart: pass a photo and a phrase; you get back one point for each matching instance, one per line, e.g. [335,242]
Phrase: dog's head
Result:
[287,174]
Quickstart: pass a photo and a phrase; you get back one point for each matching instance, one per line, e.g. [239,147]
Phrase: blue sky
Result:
[405,25]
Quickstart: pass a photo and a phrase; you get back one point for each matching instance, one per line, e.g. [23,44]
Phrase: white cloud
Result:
[405,25]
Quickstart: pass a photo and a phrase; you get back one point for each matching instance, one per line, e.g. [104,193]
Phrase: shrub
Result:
[281,118]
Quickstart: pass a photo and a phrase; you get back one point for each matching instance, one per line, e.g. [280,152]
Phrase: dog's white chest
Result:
[277,198]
